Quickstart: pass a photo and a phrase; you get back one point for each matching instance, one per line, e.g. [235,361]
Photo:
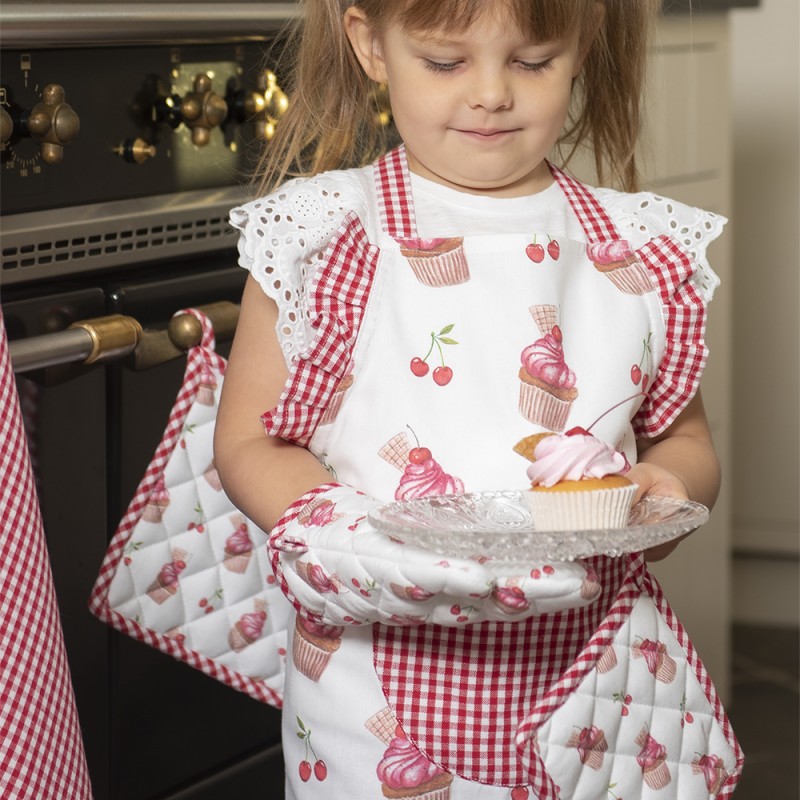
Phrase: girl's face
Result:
[478,110]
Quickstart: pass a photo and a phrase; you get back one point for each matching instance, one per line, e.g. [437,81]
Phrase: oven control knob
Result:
[136,151]
[264,107]
[53,123]
[6,125]
[202,110]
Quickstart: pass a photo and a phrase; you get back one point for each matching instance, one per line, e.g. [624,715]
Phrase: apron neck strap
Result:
[594,220]
[393,187]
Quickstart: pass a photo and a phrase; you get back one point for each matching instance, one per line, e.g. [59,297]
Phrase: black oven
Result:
[128,132]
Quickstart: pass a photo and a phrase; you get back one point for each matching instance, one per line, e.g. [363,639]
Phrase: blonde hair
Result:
[333,117]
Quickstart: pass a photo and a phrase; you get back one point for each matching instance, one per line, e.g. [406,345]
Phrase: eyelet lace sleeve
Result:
[282,240]
[643,216]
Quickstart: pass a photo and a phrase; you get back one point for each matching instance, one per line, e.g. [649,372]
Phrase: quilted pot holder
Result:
[185,571]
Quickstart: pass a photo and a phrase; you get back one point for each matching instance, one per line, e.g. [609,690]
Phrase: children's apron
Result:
[420,383]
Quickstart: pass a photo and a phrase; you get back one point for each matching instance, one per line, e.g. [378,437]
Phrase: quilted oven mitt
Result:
[335,566]
[185,571]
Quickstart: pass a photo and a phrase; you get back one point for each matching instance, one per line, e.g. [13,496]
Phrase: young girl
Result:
[404,325]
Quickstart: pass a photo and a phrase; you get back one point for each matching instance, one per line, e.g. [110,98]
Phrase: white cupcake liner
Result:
[595,509]
[308,658]
[657,776]
[442,269]
[333,407]
[631,279]
[542,408]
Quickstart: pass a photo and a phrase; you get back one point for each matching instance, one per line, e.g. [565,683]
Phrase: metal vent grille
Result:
[67,243]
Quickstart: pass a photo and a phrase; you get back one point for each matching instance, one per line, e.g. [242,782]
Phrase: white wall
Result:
[765,227]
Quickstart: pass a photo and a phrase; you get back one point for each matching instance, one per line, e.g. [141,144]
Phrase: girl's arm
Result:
[681,462]
[261,474]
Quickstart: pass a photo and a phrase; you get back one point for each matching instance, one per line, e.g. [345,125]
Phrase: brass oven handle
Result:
[104,339]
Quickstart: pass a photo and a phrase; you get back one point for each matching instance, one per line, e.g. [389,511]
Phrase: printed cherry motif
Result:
[442,375]
[320,769]
[553,249]
[519,793]
[535,253]
[637,375]
[625,699]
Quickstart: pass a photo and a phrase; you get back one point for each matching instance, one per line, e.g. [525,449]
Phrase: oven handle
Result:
[105,339]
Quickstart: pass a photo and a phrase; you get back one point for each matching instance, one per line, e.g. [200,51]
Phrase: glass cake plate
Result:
[500,525]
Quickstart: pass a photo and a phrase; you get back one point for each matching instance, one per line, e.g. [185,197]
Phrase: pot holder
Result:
[185,571]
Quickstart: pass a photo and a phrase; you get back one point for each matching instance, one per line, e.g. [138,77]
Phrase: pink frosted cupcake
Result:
[547,385]
[238,549]
[437,262]
[659,662]
[713,771]
[591,745]
[208,384]
[335,403]
[577,482]
[314,643]
[510,599]
[157,502]
[248,627]
[422,475]
[652,759]
[166,582]
[405,773]
[621,266]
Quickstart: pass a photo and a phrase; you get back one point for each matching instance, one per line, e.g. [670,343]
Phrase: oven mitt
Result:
[335,567]
[185,571]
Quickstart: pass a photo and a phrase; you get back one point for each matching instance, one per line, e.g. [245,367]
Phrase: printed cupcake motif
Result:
[422,475]
[248,627]
[157,502]
[547,385]
[510,599]
[337,398]
[713,771]
[212,477]
[238,546]
[591,745]
[617,261]
[652,759]
[437,262]
[208,384]
[404,772]
[314,644]
[318,513]
[166,582]
[659,662]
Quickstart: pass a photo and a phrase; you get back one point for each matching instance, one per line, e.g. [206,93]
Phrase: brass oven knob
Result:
[202,110]
[263,106]
[6,125]
[136,151]
[53,123]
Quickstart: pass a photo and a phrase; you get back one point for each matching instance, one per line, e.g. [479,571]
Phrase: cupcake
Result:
[510,599]
[212,477]
[248,627]
[621,266]
[577,482]
[607,661]
[437,262]
[337,398]
[165,584]
[313,645]
[319,512]
[547,385]
[208,384]
[713,771]
[238,549]
[591,745]
[157,502]
[659,662]
[405,773]
[652,759]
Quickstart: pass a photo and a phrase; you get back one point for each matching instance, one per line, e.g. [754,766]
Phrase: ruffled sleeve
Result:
[283,237]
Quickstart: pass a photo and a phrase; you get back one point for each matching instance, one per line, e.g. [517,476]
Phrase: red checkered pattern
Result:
[41,751]
[440,681]
[391,184]
[654,589]
[198,359]
[338,299]
[684,312]
[686,354]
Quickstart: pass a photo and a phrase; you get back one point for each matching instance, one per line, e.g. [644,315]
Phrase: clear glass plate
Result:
[500,525]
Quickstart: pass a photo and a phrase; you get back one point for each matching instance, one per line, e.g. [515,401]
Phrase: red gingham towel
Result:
[41,752]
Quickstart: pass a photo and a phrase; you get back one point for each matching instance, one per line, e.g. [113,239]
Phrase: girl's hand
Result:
[655,480]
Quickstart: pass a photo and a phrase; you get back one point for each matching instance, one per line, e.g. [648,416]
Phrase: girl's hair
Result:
[333,119]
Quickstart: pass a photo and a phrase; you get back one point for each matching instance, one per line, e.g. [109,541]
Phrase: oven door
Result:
[153,727]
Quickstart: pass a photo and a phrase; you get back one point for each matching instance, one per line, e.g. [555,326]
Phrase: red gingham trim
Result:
[596,223]
[685,355]
[338,299]
[440,681]
[279,543]
[41,751]
[394,195]
[198,360]
[654,588]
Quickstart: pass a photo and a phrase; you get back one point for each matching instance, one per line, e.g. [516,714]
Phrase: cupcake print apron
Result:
[431,359]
